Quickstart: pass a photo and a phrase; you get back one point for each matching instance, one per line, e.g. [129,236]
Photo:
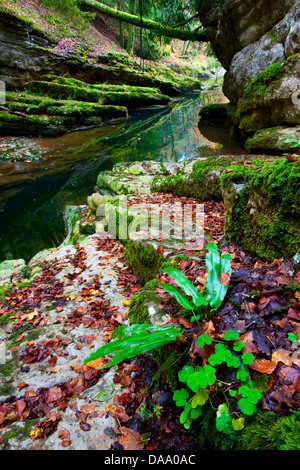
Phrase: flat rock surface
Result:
[47,379]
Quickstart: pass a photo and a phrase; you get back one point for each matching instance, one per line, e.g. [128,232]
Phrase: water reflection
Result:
[33,195]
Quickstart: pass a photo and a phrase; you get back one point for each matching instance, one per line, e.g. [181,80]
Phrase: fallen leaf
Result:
[19,338]
[250,346]
[160,250]
[22,385]
[224,279]
[120,414]
[36,433]
[130,439]
[64,434]
[282,355]
[87,409]
[263,365]
[296,358]
[66,443]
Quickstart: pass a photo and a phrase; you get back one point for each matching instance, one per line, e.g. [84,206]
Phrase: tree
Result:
[142,22]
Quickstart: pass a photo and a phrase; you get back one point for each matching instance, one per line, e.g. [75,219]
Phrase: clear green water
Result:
[33,195]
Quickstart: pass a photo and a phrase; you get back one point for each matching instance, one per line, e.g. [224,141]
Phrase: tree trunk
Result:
[130,28]
[121,40]
[146,23]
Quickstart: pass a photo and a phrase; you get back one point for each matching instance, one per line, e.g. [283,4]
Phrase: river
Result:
[33,195]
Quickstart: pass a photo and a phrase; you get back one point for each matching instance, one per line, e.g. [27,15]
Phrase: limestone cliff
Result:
[249,37]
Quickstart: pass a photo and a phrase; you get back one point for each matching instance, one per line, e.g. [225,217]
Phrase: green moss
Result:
[264,430]
[143,260]
[30,334]
[251,111]
[258,85]
[138,309]
[267,431]
[64,91]
[264,217]
[203,183]
[19,430]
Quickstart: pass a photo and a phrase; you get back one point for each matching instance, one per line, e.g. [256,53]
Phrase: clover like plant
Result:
[200,379]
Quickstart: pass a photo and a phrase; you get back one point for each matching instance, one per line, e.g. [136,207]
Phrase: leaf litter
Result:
[262,305]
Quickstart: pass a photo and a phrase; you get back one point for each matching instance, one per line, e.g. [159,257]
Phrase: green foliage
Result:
[133,340]
[216,291]
[215,266]
[200,379]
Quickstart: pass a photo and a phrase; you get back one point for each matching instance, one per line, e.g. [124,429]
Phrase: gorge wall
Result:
[258,43]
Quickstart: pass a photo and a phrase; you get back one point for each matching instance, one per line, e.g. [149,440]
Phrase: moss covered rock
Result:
[267,101]
[143,260]
[202,181]
[274,140]
[55,105]
[262,207]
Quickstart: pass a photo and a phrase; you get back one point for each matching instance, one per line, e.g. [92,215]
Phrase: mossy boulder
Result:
[267,101]
[144,303]
[143,260]
[55,105]
[130,178]
[275,140]
[261,198]
[262,207]
[202,181]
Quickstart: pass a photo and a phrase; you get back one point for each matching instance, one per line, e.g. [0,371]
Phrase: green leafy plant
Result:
[200,379]
[138,339]
[133,340]
[216,266]
[294,143]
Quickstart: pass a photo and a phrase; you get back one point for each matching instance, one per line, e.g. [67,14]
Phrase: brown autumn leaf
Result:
[184,322]
[20,407]
[290,378]
[63,434]
[209,328]
[22,385]
[290,158]
[250,346]
[19,338]
[130,439]
[160,250]
[120,414]
[263,365]
[53,394]
[224,279]
[65,443]
[282,355]
[296,357]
